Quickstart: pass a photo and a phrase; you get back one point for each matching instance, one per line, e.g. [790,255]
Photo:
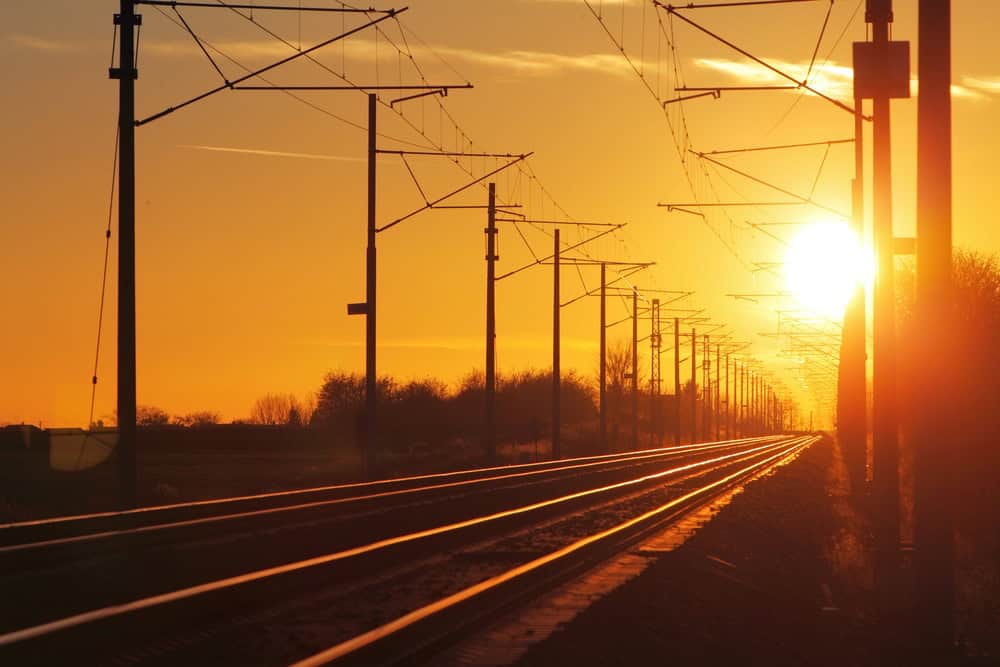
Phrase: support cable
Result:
[104,278]
[201,46]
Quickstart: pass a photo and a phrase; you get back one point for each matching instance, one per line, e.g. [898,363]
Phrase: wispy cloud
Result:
[527,62]
[829,78]
[541,62]
[984,84]
[241,50]
[459,344]
[577,2]
[34,43]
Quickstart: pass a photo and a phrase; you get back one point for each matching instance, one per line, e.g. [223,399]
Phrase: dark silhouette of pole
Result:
[491,325]
[706,382]
[604,359]
[126,74]
[884,436]
[694,385]
[655,339]
[677,381]
[933,456]
[742,416]
[729,405]
[763,407]
[852,380]
[760,405]
[371,381]
[556,393]
[767,409]
[635,368]
[718,391]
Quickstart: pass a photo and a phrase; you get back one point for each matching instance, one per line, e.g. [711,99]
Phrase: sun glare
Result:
[824,264]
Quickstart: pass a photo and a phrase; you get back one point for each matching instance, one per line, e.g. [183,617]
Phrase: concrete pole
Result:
[934,457]
[126,74]
[491,327]
[729,405]
[694,385]
[635,368]
[706,376]
[677,381]
[884,435]
[718,391]
[371,380]
[556,393]
[604,359]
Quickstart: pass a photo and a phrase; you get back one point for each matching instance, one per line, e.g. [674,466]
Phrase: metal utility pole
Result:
[126,73]
[635,368]
[491,325]
[654,373]
[677,381]
[556,394]
[767,408]
[763,407]
[604,358]
[718,391]
[729,405]
[371,381]
[881,73]
[852,381]
[706,382]
[694,386]
[934,457]
[741,406]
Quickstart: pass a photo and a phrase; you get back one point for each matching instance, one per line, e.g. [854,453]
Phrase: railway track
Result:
[365,573]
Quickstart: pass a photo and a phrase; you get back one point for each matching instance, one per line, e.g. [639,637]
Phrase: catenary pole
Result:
[635,368]
[371,380]
[694,385]
[491,326]
[934,455]
[884,436]
[677,381]
[556,393]
[718,391]
[126,73]
[604,359]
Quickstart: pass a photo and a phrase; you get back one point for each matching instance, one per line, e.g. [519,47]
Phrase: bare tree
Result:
[202,418]
[619,387]
[281,409]
[149,415]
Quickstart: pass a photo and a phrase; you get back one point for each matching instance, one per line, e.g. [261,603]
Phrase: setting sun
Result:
[824,263]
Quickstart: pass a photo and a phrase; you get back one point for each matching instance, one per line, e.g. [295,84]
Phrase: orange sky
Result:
[246,259]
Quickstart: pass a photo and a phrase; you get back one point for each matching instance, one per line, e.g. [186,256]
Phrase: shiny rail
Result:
[92,527]
[192,593]
[613,538]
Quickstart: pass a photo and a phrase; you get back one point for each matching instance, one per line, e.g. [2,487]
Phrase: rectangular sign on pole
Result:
[881,69]
[357,308]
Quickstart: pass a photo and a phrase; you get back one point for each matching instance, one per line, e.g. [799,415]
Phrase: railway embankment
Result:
[780,576]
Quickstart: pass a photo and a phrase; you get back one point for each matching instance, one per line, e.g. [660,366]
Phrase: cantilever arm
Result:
[465,187]
[231,84]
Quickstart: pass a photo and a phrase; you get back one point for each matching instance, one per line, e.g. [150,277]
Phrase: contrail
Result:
[259,151]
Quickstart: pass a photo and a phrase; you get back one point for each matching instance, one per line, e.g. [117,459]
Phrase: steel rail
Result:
[473,473]
[381,633]
[199,521]
[228,583]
